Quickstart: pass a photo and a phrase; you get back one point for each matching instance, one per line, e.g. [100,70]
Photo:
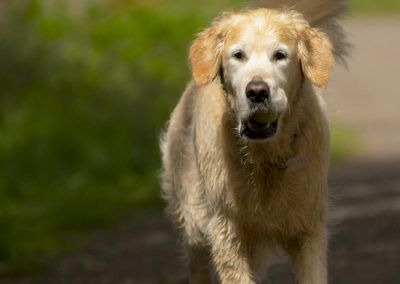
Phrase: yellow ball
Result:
[265,117]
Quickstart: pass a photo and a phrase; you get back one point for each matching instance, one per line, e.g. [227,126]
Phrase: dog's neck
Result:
[278,154]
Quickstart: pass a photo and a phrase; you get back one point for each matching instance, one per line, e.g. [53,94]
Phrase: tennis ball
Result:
[265,117]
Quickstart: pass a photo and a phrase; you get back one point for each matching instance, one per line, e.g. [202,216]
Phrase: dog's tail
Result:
[321,14]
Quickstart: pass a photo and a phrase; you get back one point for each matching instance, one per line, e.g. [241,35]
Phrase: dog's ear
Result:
[316,56]
[205,54]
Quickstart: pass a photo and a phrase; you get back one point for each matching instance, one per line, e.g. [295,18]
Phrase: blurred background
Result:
[85,88]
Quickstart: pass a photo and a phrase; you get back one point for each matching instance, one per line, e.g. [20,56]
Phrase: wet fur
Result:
[233,205]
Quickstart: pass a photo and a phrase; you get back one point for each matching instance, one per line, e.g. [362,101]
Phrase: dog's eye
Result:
[239,55]
[280,55]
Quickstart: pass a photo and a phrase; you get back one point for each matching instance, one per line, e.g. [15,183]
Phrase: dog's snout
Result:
[257,91]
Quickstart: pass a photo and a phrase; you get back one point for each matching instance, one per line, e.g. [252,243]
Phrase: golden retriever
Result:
[246,152]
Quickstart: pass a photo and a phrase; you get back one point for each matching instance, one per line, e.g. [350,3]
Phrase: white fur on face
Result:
[258,43]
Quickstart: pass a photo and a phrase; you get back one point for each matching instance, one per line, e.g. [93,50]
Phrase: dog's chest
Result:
[273,200]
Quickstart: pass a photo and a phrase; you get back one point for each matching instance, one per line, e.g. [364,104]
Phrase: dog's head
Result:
[262,57]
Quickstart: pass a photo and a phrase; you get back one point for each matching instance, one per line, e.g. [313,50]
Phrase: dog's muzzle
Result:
[259,126]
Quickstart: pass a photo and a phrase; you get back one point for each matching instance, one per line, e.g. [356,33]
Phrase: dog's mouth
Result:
[257,128]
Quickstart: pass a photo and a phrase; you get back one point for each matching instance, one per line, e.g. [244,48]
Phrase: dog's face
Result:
[262,57]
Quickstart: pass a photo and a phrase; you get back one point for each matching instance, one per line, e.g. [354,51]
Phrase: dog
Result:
[246,150]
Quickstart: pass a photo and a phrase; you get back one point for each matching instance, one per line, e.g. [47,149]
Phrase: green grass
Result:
[345,142]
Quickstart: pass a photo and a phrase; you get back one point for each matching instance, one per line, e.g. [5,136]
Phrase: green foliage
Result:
[82,102]
[375,6]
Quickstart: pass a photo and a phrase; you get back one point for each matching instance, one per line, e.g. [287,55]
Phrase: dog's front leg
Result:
[230,253]
[309,258]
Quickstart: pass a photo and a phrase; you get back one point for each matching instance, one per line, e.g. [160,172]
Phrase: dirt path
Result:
[364,247]
[365,243]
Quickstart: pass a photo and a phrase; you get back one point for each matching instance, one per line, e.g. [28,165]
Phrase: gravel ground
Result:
[365,227]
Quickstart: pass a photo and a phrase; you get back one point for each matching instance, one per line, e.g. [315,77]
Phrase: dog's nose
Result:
[257,91]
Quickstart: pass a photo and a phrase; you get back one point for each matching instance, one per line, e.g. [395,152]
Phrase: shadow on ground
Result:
[364,246]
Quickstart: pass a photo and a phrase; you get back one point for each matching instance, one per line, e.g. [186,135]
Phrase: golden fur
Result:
[236,200]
